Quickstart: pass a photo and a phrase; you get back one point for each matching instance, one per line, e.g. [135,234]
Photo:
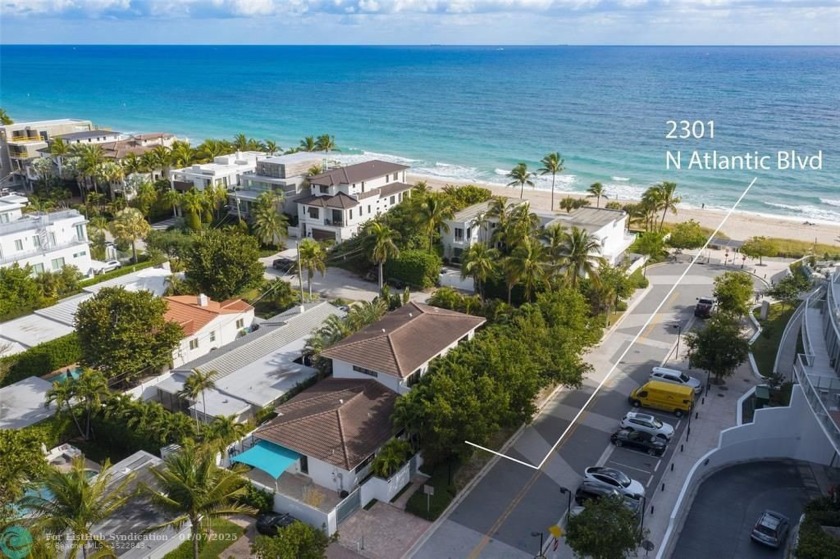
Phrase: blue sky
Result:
[730,22]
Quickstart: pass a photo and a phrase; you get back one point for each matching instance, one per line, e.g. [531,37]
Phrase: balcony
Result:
[334,223]
[24,254]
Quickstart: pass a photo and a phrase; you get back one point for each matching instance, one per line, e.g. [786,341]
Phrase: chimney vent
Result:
[341,401]
[203,301]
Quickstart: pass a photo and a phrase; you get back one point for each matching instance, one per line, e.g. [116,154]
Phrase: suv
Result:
[676,377]
[704,307]
[284,264]
[589,491]
[637,421]
[771,529]
[614,479]
[268,523]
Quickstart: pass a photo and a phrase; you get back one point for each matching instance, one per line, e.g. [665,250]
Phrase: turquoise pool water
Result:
[69,373]
[44,493]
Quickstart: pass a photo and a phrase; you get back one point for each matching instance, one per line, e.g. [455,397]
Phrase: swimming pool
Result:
[64,375]
[44,493]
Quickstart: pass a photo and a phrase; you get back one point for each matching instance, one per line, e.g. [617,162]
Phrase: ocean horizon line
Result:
[428,45]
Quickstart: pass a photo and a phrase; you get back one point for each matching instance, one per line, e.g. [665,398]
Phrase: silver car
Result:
[615,479]
[771,529]
[636,421]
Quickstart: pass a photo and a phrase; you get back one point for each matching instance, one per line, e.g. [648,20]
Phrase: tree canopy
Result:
[759,247]
[687,235]
[295,541]
[123,332]
[719,347]
[605,529]
[23,460]
[734,292]
[223,263]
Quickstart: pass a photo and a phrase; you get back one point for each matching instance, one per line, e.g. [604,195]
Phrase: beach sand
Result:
[739,226]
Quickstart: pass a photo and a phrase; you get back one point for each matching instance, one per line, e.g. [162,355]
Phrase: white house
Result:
[472,225]
[90,137]
[341,200]
[279,173]
[46,241]
[207,324]
[224,171]
[397,349]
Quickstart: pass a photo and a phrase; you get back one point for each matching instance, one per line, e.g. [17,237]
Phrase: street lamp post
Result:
[564,491]
[540,534]
[642,523]
[678,326]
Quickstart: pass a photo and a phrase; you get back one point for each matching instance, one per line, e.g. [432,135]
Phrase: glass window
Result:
[80,232]
[19,244]
[4,218]
[57,263]
[304,464]
[194,344]
[38,269]
[365,371]
[240,323]
[36,241]
[459,234]
[351,214]
[313,213]
[212,336]
[393,200]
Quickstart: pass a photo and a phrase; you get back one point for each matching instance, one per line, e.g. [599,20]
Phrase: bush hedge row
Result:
[42,359]
[416,268]
[123,271]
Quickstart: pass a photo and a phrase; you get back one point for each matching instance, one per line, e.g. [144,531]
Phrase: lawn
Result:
[767,344]
[441,479]
[222,534]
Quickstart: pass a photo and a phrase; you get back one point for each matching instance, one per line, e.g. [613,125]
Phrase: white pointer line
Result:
[630,345]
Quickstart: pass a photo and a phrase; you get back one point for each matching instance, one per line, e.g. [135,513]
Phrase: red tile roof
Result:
[405,339]
[338,421]
[187,311]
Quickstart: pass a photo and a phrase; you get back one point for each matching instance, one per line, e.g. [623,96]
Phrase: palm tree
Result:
[195,489]
[193,203]
[479,263]
[366,312]
[433,214]
[91,389]
[554,237]
[5,119]
[668,200]
[596,190]
[652,202]
[147,195]
[271,147]
[312,257]
[181,154]
[195,385]
[527,264]
[71,504]
[59,149]
[308,144]
[62,394]
[112,174]
[379,245]
[268,223]
[552,163]
[224,431]
[240,142]
[568,203]
[580,251]
[326,143]
[129,225]
[520,176]
[91,157]
[172,198]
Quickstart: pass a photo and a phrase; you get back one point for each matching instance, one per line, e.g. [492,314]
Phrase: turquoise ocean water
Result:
[473,112]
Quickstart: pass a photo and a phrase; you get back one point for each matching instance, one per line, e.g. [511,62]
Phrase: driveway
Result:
[383,532]
[729,502]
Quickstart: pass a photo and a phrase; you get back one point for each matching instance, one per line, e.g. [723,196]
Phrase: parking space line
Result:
[649,481]
[658,462]
[605,455]
[631,467]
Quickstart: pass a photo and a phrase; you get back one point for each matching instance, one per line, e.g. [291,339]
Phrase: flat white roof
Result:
[297,157]
[22,403]
[150,279]
[64,312]
[32,329]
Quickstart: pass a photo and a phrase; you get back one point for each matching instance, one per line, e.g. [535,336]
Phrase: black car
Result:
[283,264]
[589,491]
[639,440]
[268,523]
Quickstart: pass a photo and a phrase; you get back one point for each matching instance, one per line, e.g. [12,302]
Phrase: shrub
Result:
[261,500]
[416,268]
[638,280]
[125,270]
[52,431]
[42,359]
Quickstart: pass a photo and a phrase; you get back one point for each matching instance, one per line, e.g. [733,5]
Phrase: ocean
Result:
[472,113]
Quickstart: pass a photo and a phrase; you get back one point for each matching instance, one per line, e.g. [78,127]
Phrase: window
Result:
[19,244]
[4,218]
[469,233]
[240,323]
[304,464]
[194,344]
[324,189]
[368,209]
[313,213]
[36,241]
[365,371]
[38,269]
[79,254]
[363,464]
[212,336]
[351,214]
[393,200]
[80,232]
[52,239]
[459,234]
[57,264]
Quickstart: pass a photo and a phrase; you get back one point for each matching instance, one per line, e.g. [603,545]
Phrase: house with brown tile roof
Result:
[207,324]
[397,349]
[342,200]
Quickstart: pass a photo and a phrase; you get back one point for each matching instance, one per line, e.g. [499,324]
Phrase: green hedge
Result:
[53,431]
[415,268]
[42,359]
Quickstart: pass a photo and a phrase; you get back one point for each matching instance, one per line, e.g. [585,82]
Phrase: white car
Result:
[610,477]
[636,421]
[676,377]
[110,266]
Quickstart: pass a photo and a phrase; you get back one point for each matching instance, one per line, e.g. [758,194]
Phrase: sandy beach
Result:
[739,226]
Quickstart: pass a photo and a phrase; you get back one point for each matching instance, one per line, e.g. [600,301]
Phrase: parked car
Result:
[704,307]
[283,264]
[268,523]
[771,529]
[639,440]
[638,421]
[590,490]
[110,266]
[676,377]
[616,479]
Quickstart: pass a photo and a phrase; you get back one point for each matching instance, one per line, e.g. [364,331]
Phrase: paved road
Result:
[729,502]
[497,517]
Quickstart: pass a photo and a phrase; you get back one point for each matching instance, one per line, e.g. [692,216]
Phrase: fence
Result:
[349,505]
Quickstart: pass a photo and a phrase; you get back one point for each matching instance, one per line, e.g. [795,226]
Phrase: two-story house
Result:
[472,225]
[46,241]
[224,171]
[342,200]
[90,137]
[397,349]
[21,143]
[207,324]
[279,173]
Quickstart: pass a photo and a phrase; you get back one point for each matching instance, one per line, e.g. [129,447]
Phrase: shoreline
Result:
[740,225]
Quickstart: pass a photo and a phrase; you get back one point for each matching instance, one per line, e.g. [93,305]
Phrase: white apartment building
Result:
[471,225]
[279,173]
[342,200]
[46,241]
[90,137]
[20,145]
[223,171]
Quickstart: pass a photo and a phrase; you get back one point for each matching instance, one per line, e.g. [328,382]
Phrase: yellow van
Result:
[665,396]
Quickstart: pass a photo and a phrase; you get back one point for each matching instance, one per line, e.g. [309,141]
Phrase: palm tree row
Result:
[659,198]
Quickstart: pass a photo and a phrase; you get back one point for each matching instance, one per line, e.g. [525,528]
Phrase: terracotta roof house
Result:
[207,324]
[342,200]
[397,349]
